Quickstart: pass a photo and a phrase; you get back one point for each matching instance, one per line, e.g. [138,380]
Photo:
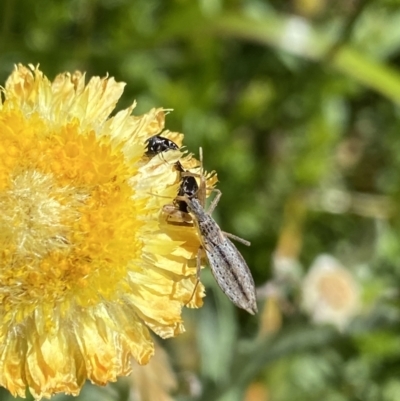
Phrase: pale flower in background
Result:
[330,293]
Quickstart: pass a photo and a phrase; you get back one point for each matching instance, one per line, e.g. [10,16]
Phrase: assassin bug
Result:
[227,264]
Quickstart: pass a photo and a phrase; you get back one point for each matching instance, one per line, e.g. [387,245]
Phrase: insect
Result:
[188,188]
[227,264]
[158,144]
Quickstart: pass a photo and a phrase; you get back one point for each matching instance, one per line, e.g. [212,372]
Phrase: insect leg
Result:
[215,201]
[211,208]
[177,217]
[198,271]
[236,238]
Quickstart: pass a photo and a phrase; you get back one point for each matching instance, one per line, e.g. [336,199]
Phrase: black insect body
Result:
[188,188]
[158,144]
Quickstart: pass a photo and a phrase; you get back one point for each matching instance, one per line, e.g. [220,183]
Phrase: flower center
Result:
[68,226]
[37,214]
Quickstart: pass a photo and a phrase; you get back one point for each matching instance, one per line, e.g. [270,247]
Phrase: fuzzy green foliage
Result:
[295,104]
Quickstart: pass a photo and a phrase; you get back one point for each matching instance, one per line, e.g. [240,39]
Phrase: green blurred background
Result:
[295,104]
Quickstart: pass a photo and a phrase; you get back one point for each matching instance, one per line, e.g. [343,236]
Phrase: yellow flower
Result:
[88,261]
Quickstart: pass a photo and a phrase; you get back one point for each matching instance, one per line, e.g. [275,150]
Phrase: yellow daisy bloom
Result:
[88,262]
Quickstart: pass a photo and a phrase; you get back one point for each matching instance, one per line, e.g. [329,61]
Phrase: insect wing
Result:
[232,274]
